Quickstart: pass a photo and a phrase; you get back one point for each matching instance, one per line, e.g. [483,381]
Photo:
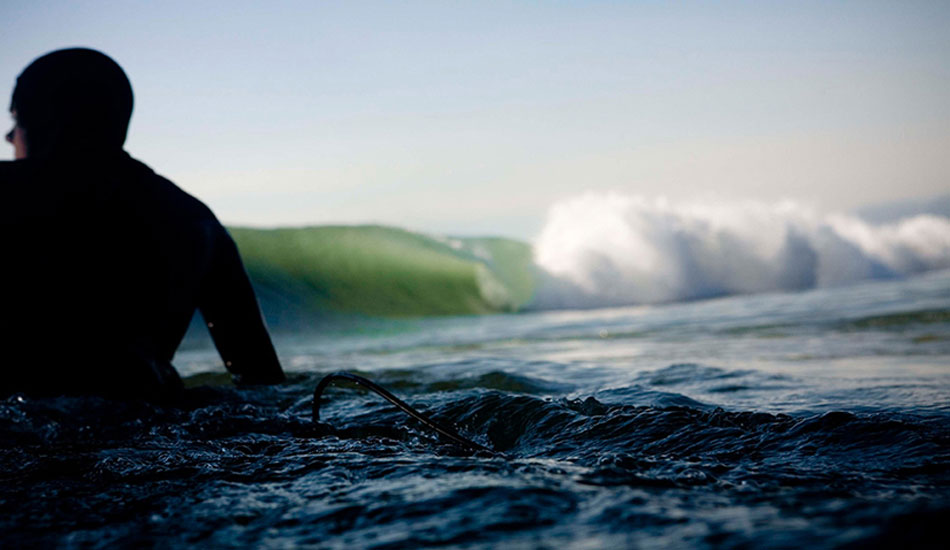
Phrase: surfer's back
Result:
[107,261]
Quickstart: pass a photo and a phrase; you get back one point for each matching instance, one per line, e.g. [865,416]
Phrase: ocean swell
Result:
[610,249]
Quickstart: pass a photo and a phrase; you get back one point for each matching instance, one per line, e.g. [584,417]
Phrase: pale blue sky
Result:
[463,118]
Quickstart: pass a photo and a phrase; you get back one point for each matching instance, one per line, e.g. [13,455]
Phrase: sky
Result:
[473,118]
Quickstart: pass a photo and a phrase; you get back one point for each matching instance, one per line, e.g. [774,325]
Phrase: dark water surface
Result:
[814,420]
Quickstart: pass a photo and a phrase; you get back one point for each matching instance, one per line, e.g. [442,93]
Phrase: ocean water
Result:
[595,251]
[809,419]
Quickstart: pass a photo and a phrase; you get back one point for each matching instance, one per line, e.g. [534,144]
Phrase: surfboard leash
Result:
[445,431]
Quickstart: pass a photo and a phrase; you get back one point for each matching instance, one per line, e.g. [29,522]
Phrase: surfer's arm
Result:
[230,309]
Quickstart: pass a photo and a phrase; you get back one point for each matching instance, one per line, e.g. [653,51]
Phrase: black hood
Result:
[73,101]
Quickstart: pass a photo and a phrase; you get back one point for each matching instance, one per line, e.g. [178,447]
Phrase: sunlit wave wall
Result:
[612,249]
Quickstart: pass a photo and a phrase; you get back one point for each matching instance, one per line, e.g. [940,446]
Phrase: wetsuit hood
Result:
[71,102]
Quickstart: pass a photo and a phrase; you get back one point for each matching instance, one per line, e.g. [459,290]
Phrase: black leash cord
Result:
[399,403]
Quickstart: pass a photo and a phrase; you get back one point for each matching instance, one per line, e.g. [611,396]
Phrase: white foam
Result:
[612,249]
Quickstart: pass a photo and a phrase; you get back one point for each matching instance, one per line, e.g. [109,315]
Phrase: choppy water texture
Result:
[816,419]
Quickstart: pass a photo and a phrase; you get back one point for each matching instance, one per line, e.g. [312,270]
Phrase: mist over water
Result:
[601,250]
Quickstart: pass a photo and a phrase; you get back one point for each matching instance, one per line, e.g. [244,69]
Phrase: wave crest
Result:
[612,249]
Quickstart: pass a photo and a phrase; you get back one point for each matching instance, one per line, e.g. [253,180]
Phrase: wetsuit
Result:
[104,264]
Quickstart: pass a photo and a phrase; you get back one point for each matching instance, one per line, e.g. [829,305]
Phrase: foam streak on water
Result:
[814,419]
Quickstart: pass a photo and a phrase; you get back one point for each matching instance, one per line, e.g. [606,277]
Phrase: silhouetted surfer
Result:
[105,261]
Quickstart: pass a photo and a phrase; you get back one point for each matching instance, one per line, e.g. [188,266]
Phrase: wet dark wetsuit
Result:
[104,264]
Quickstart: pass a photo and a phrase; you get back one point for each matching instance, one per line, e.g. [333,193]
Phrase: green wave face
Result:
[382,271]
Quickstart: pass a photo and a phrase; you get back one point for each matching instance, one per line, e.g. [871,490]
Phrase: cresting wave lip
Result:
[612,249]
[594,251]
[306,272]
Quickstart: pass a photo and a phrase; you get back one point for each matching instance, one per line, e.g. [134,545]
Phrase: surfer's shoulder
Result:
[12,170]
[22,183]
[161,190]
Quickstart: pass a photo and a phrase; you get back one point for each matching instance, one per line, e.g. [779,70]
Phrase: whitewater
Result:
[601,250]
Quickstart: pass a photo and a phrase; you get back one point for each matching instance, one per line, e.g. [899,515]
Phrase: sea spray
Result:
[596,250]
[611,249]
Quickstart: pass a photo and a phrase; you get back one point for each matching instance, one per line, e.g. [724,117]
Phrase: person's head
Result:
[68,102]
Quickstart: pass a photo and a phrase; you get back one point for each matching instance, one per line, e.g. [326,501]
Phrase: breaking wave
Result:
[611,249]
